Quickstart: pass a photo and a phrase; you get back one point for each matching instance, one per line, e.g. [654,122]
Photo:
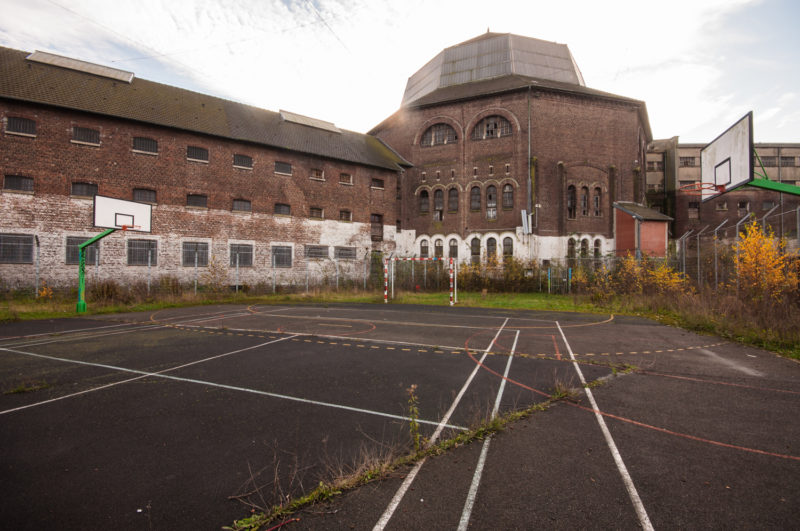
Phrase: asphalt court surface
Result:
[155,420]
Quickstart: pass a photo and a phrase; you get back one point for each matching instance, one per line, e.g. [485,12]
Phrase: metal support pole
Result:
[81,307]
[237,272]
[451,282]
[386,281]
[699,279]
[195,272]
[273,273]
[336,262]
[149,267]
[716,267]
[412,274]
[36,287]
[681,244]
[746,216]
[393,264]
[764,219]
[456,281]
[307,264]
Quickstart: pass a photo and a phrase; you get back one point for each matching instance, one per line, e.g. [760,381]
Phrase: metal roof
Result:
[164,105]
[641,212]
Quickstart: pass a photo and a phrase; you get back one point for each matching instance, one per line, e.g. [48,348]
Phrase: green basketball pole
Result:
[82,268]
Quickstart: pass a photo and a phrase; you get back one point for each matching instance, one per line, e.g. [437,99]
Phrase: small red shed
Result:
[640,230]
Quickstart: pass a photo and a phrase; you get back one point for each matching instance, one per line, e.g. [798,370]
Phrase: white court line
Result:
[476,478]
[401,492]
[59,332]
[644,520]
[83,336]
[123,381]
[160,374]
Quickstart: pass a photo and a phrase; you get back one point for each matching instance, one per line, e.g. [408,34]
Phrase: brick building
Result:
[512,153]
[227,181]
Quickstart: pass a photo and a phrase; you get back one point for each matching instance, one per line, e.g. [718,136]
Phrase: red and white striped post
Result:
[451,281]
[386,281]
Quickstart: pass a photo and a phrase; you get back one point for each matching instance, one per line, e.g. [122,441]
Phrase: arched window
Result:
[453,248]
[491,202]
[508,247]
[584,248]
[475,250]
[584,201]
[571,248]
[491,127]
[424,202]
[438,205]
[491,249]
[438,134]
[596,201]
[571,202]
[438,249]
[423,249]
[508,197]
[597,248]
[475,198]
[452,200]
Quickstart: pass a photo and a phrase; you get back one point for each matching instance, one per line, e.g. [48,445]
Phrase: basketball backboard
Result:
[110,213]
[727,162]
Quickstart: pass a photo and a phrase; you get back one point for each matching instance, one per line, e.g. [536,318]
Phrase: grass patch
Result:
[28,387]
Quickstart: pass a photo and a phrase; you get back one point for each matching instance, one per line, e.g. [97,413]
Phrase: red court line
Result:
[717,382]
[631,421]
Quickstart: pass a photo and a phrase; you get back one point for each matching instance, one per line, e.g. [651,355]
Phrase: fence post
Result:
[273,272]
[746,216]
[336,262]
[393,266]
[237,271]
[36,287]
[548,280]
[764,220]
[699,280]
[307,264]
[716,267]
[195,272]
[149,263]
[386,281]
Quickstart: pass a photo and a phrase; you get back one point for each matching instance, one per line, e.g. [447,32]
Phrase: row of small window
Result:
[490,127]
[742,206]
[572,248]
[768,162]
[85,135]
[18,249]
[475,248]
[572,202]
[474,201]
[424,174]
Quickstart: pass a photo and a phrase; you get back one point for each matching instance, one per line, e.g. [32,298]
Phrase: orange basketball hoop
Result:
[702,188]
[130,227]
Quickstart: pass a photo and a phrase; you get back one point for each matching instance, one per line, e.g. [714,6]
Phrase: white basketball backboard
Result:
[727,162]
[110,213]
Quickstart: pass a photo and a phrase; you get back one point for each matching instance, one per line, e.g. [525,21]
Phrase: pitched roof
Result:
[168,106]
[641,212]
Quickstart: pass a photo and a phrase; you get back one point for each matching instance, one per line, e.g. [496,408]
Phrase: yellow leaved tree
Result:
[764,271]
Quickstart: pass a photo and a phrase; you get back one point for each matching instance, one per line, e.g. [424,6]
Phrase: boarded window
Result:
[283,167]
[142,252]
[144,195]
[197,200]
[376,227]
[438,248]
[145,145]
[424,202]
[86,135]
[243,161]
[453,248]
[197,153]
[21,126]
[18,183]
[572,202]
[84,189]
[508,246]
[315,212]
[73,256]
[16,248]
[281,256]
[242,205]
[316,251]
[194,253]
[475,250]
[282,209]
[241,254]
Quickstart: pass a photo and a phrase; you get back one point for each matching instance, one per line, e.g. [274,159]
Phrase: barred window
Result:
[86,135]
[345,178]
[243,252]
[243,161]
[508,246]
[438,248]
[345,215]
[197,200]
[145,145]
[197,153]
[18,183]
[453,248]
[142,252]
[194,251]
[491,202]
[84,189]
[424,202]
[281,256]
[283,209]
[345,253]
[491,127]
[475,198]
[21,126]
[144,195]
[438,134]
[73,252]
[377,183]
[686,162]
[242,205]
[491,248]
[475,250]
[787,162]
[317,251]
[508,196]
[315,212]
[452,200]
[423,249]
[16,248]
[769,161]
[317,174]
[283,167]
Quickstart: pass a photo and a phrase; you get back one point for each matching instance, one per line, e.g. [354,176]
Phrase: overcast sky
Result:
[699,65]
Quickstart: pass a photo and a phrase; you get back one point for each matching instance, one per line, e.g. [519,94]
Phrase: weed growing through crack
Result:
[28,387]
[413,415]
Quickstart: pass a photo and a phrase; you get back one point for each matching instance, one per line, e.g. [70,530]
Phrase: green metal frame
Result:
[764,182]
[82,268]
